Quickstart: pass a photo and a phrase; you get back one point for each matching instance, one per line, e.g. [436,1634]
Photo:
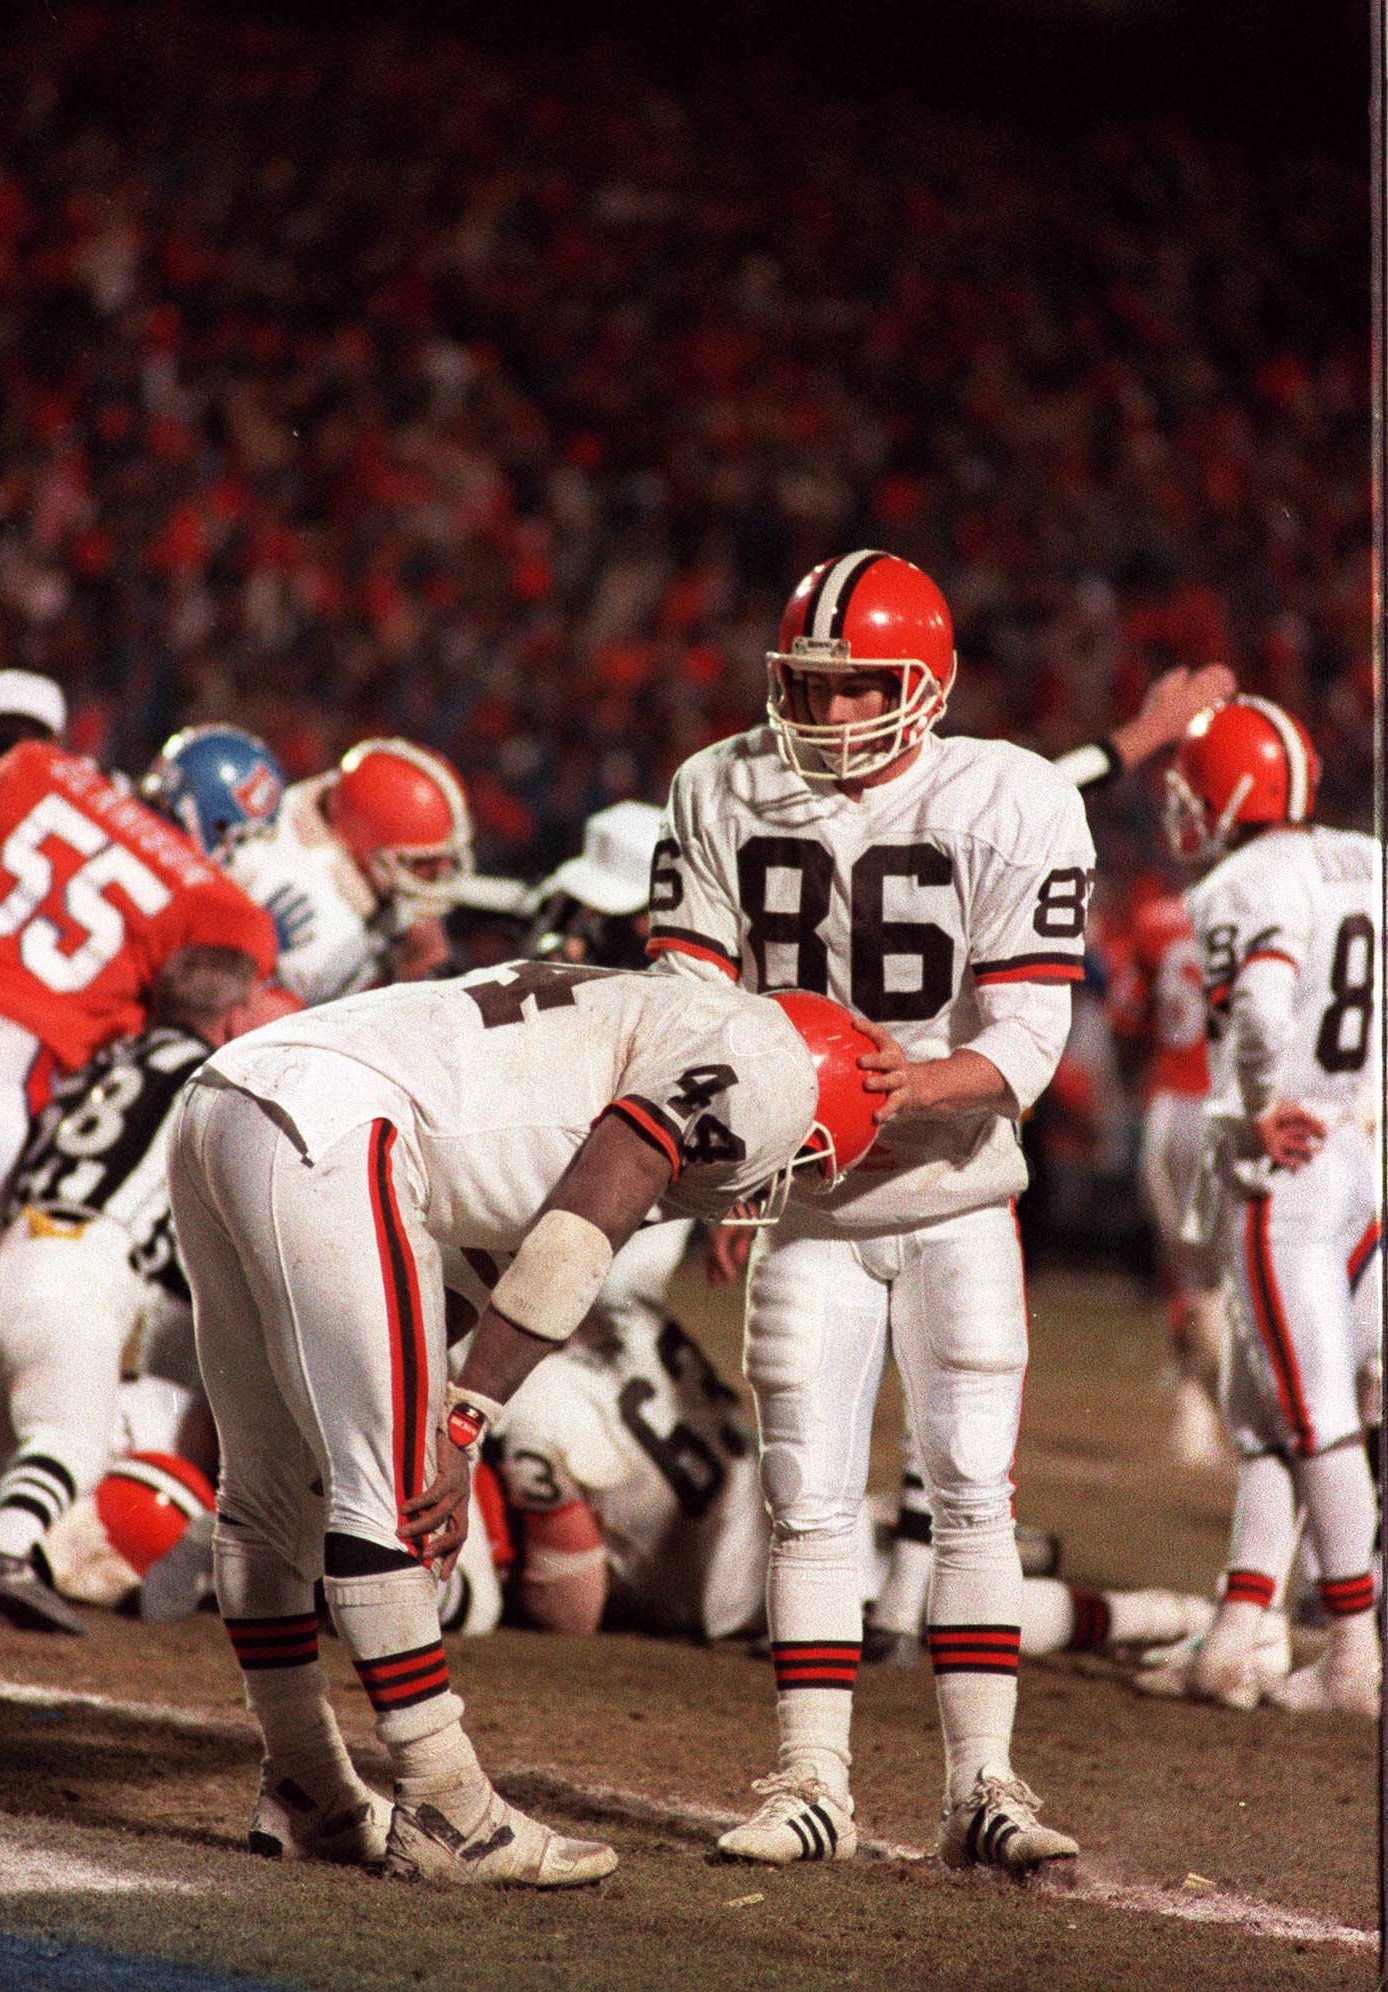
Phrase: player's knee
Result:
[798,1506]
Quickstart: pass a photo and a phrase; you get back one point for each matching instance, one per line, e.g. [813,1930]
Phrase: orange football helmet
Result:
[146,1500]
[843,1128]
[402,813]
[863,612]
[1245,762]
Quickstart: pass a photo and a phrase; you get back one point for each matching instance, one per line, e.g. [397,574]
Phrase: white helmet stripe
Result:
[828,608]
[1298,772]
[159,1481]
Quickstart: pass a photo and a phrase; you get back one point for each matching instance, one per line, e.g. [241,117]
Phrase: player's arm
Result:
[693,911]
[1168,706]
[617,1175]
[562,1585]
[1260,1022]
[962,1082]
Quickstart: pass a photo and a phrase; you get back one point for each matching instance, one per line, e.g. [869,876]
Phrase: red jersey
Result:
[96,894]
[1162,997]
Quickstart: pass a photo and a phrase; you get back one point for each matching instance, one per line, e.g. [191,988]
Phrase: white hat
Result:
[613,875]
[27,695]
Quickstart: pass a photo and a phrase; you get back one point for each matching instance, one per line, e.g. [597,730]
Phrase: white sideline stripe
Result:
[40,1871]
[1263,1919]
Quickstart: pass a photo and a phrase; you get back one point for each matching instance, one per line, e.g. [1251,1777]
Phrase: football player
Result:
[632,1474]
[939,887]
[88,1211]
[319,1170]
[361,866]
[106,914]
[1157,1006]
[1287,919]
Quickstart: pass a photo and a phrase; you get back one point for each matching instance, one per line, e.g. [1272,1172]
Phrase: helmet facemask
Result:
[766,1206]
[1191,836]
[849,752]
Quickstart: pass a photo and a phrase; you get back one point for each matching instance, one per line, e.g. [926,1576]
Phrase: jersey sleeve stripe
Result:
[652,1126]
[1266,954]
[1032,968]
[680,940]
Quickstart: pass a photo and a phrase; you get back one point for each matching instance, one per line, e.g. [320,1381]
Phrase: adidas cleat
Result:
[26,1600]
[800,1821]
[996,1826]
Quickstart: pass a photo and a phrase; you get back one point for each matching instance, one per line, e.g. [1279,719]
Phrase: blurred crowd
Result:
[368,385]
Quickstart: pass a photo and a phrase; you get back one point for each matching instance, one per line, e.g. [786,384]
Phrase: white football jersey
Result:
[1309,898]
[494,1080]
[332,937]
[642,1430]
[947,904]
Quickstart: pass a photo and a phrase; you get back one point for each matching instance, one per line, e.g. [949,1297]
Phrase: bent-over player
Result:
[319,1170]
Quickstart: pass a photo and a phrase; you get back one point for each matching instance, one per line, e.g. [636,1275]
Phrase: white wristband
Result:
[555,1277]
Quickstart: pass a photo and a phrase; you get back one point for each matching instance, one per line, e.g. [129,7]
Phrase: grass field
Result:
[1218,1850]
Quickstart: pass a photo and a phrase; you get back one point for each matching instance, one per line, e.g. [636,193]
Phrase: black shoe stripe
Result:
[807,1820]
[998,1851]
[827,1823]
[797,1826]
[976,1826]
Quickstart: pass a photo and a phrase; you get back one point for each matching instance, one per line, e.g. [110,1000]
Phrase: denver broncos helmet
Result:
[219,784]
[865,611]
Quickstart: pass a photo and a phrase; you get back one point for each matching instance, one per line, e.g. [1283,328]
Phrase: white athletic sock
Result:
[1262,1535]
[814,1611]
[269,1614]
[390,1626]
[975,1635]
[1337,1492]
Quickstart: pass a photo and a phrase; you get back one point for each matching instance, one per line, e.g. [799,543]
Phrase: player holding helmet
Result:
[938,887]
[532,1109]
[1287,919]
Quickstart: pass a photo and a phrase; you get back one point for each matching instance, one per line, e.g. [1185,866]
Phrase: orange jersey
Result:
[1162,997]
[96,894]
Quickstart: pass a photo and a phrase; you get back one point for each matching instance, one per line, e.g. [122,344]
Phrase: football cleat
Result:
[348,1825]
[27,1600]
[1347,1679]
[506,1847]
[1235,1677]
[996,1826]
[800,1820]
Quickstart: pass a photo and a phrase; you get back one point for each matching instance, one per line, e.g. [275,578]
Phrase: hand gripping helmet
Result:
[219,784]
[401,812]
[1246,762]
[864,612]
[843,1128]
